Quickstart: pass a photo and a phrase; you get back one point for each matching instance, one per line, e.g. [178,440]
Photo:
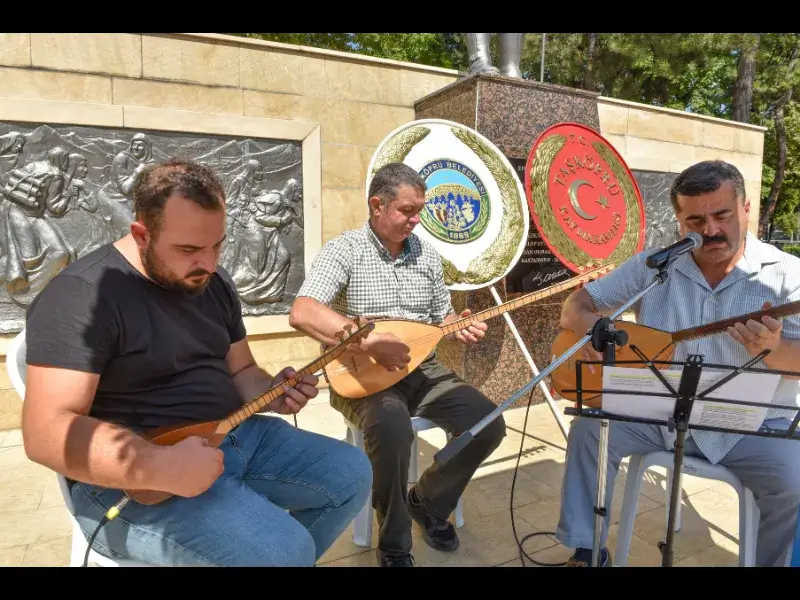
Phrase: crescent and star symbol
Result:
[573,198]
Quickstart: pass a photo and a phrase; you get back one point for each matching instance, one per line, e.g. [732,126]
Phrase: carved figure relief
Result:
[67,191]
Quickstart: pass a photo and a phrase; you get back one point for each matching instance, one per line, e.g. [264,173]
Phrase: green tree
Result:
[775,106]
[434,49]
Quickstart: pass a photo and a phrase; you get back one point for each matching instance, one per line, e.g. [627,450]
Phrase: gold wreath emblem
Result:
[545,153]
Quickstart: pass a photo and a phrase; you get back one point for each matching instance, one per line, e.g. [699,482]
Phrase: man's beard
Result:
[158,272]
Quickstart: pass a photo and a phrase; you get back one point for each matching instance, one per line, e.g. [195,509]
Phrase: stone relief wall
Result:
[66,190]
[662,227]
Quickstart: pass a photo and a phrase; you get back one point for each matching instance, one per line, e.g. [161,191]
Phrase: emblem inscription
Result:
[457,207]
[584,200]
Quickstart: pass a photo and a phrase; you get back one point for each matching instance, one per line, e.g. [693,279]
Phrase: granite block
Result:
[512,113]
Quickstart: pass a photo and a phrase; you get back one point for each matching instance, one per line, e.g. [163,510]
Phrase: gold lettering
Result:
[602,238]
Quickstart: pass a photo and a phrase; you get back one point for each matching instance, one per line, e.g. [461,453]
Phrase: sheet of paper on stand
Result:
[745,387]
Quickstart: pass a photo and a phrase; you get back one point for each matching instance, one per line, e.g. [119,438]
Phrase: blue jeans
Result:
[271,467]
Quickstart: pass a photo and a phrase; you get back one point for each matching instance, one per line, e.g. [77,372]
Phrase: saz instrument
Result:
[214,431]
[356,375]
[655,344]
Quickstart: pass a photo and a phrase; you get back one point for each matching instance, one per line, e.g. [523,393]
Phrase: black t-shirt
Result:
[160,354]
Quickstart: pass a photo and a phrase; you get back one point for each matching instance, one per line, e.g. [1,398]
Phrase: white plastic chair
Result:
[362,524]
[17,367]
[749,513]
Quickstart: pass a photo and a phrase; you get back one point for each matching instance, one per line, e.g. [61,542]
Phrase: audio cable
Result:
[522,554]
[110,515]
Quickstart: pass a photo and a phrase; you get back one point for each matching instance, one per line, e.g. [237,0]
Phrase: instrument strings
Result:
[422,340]
[490,313]
[254,406]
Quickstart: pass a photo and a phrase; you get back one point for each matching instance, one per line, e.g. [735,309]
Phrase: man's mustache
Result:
[711,239]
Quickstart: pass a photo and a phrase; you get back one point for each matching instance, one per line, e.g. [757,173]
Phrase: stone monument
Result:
[511,112]
[480,59]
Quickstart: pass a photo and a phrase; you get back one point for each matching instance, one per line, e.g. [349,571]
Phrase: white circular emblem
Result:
[476,215]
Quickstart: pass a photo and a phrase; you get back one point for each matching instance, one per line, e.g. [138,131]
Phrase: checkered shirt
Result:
[355,275]
[686,300]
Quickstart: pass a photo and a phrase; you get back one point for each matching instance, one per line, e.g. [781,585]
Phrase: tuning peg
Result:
[339,335]
[359,322]
[349,329]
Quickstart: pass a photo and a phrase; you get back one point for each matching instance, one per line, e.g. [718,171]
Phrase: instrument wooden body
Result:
[655,344]
[214,432]
[357,375]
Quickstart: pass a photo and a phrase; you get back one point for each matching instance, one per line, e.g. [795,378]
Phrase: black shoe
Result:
[438,533]
[583,558]
[395,560]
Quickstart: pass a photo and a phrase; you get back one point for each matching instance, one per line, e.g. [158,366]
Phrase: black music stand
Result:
[684,402]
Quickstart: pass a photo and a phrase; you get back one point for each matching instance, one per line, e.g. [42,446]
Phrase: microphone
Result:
[659,259]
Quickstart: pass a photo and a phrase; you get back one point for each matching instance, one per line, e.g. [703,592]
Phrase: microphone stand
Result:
[603,336]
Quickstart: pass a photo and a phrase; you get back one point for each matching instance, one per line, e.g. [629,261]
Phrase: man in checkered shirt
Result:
[732,274]
[383,270]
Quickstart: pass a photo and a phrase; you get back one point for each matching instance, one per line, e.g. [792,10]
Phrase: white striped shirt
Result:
[686,300]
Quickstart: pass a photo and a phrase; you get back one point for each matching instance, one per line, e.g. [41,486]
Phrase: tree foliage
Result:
[750,77]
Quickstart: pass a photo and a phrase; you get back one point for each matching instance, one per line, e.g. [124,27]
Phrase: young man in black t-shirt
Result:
[148,332]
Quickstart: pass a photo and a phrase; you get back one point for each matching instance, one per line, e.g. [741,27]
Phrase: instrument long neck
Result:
[239,416]
[259,404]
[720,326]
[490,313]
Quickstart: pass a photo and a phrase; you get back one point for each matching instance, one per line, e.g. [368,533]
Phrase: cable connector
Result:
[114,511]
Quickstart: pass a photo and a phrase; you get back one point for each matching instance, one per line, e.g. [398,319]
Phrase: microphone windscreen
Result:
[696,238]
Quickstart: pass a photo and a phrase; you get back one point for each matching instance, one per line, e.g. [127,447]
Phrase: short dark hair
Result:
[391,177]
[706,177]
[177,176]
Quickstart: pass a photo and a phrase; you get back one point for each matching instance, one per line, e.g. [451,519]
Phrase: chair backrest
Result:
[15,363]
[17,368]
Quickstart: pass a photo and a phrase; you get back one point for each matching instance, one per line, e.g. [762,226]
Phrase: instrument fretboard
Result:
[776,312]
[248,410]
[490,313]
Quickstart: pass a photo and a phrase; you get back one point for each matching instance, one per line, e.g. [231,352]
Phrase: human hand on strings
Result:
[590,354]
[294,399]
[471,334]
[190,466]
[387,350]
[758,336]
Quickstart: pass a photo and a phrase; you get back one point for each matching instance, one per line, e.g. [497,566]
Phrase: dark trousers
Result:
[433,392]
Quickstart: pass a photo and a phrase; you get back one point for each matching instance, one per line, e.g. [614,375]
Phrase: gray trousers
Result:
[432,392]
[770,467]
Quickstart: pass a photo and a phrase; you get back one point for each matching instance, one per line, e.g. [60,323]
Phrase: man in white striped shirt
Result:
[732,274]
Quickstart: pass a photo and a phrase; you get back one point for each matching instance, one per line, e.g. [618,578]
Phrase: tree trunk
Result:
[765,218]
[591,56]
[745,78]
[768,209]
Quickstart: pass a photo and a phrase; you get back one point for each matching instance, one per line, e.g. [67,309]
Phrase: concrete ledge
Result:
[678,113]
[297,49]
